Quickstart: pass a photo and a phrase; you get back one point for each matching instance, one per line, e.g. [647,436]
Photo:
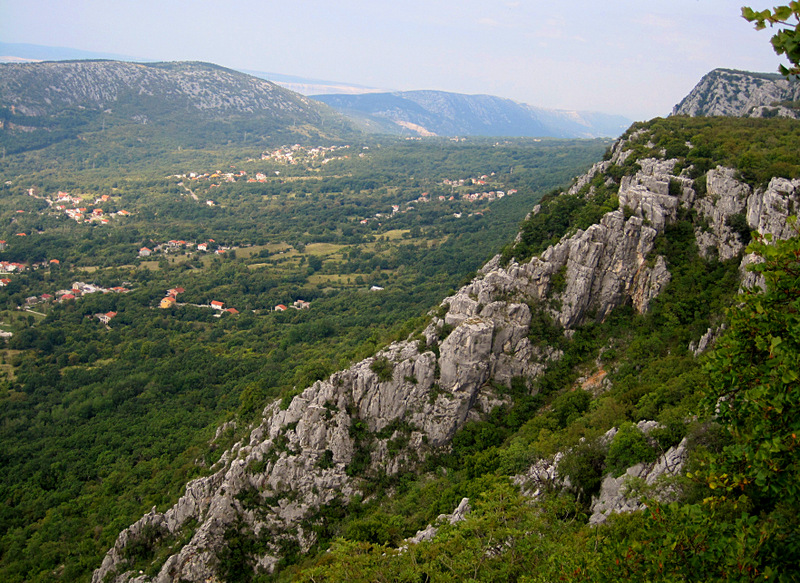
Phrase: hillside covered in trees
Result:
[106,416]
[598,403]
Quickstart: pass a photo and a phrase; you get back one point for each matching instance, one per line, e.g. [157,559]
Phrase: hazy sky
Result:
[633,57]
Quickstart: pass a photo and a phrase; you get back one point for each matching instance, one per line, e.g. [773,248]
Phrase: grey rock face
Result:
[614,496]
[725,198]
[740,94]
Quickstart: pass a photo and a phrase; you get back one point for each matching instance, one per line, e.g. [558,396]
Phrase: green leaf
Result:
[782,13]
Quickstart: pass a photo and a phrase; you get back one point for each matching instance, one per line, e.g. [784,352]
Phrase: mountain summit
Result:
[742,94]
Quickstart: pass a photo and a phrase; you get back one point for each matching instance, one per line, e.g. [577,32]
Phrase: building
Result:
[105,318]
[217,305]
[167,302]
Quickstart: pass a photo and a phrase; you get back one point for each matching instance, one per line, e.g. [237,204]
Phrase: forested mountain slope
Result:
[110,403]
[189,103]
[570,361]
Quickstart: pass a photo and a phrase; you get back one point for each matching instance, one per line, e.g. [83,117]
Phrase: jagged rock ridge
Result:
[387,412]
[741,94]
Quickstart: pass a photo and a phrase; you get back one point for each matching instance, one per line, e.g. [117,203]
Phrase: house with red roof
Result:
[105,318]
[167,302]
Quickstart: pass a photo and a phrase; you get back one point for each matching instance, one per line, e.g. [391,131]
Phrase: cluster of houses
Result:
[171,299]
[425,198]
[486,196]
[11,267]
[77,290]
[218,175]
[474,196]
[297,305]
[80,288]
[480,181]
[284,154]
[296,153]
[69,205]
[7,267]
[176,245]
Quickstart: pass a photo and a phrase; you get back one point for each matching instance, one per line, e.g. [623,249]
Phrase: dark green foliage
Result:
[142,547]
[568,407]
[234,561]
[738,223]
[584,465]
[759,149]
[377,529]
[326,460]
[754,381]
[629,447]
[383,368]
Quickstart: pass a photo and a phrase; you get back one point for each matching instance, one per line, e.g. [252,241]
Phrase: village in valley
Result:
[69,205]
[292,163]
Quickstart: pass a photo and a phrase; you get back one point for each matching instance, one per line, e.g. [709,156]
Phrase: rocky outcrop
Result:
[741,94]
[382,414]
[616,494]
[428,533]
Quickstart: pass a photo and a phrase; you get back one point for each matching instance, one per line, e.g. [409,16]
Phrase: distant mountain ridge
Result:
[422,112]
[453,114]
[728,92]
[189,98]
[24,53]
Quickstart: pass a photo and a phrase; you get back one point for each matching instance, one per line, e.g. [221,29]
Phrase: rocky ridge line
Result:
[113,85]
[741,94]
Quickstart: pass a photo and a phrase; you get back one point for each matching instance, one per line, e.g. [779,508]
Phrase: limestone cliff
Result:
[389,411]
[741,94]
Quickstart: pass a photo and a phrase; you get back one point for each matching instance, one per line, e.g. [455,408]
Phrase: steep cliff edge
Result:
[388,412]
